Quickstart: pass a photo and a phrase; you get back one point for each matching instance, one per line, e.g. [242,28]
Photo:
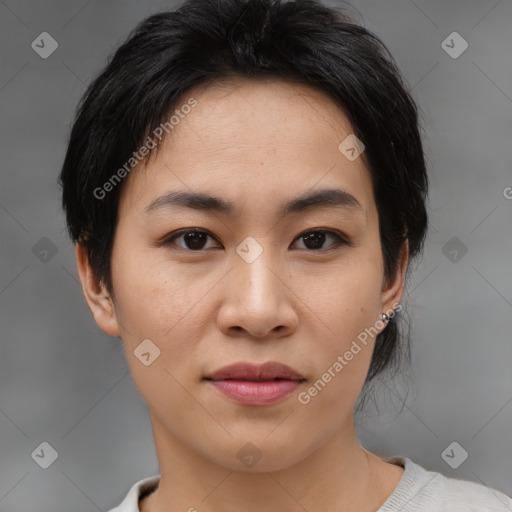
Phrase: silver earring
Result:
[385,317]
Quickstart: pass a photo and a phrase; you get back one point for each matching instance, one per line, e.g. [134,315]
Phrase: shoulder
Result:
[421,490]
[464,495]
[137,491]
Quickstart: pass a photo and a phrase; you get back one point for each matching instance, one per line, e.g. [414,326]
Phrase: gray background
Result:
[64,382]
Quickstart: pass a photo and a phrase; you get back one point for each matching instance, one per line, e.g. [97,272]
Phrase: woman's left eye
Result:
[195,240]
[315,239]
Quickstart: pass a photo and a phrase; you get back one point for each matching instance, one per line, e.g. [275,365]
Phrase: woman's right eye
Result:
[193,239]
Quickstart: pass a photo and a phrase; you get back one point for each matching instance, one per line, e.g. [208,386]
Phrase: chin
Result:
[257,456]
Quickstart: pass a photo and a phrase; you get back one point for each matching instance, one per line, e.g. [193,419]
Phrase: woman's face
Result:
[300,288]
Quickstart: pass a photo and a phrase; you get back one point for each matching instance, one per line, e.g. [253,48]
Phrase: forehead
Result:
[252,138]
[265,113]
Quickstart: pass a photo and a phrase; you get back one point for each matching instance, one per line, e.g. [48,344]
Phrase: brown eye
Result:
[315,239]
[193,239]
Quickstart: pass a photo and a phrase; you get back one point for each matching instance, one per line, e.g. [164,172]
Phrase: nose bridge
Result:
[257,300]
[256,268]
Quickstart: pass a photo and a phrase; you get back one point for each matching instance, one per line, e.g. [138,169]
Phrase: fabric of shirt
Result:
[419,490]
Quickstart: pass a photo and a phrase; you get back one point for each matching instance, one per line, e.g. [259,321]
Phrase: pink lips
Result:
[256,384]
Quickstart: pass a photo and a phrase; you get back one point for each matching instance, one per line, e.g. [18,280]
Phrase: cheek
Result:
[343,355]
[159,304]
[152,295]
[167,303]
[352,297]
[349,310]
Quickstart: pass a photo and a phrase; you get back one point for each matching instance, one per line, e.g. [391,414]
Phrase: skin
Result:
[257,144]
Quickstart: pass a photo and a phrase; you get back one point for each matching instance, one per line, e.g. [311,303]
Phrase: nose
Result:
[258,299]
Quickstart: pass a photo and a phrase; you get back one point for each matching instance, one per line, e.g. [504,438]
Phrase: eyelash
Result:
[169,241]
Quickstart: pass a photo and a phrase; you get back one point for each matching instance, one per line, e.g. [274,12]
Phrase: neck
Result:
[339,475]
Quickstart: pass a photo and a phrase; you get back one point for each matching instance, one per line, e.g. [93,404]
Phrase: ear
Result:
[98,299]
[393,289]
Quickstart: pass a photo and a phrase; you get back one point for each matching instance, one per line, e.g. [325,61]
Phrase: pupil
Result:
[318,239]
[194,241]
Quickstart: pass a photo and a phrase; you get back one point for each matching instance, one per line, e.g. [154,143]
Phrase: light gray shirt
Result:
[419,490]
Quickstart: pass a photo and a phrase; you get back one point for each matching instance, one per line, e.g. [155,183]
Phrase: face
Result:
[257,284]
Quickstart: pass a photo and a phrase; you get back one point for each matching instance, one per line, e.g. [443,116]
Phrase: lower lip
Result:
[256,393]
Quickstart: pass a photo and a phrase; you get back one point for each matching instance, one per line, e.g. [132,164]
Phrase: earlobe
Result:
[393,291]
[98,299]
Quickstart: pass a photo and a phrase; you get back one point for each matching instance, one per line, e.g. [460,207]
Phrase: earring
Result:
[385,317]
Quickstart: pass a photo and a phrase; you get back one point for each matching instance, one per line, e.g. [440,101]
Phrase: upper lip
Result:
[249,371]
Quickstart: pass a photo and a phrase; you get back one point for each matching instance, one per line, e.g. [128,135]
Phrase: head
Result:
[255,104]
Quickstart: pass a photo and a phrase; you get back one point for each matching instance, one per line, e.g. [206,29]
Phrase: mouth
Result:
[255,380]
[272,371]
[250,384]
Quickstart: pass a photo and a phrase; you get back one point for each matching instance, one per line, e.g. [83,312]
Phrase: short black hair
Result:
[203,42]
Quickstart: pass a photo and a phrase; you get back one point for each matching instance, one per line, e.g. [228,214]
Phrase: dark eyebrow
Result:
[198,201]
[321,198]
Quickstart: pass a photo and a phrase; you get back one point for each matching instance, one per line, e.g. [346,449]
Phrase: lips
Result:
[256,385]
[249,372]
